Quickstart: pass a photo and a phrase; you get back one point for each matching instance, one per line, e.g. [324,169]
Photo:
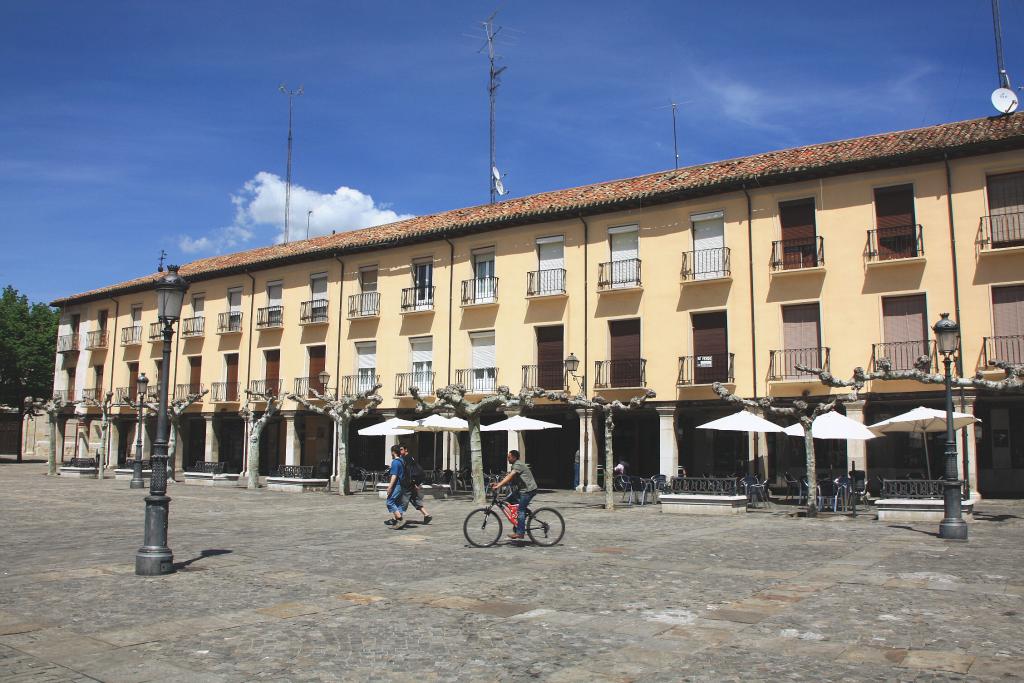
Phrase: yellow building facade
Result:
[831,255]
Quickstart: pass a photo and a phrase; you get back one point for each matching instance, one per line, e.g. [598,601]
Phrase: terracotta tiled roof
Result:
[830,158]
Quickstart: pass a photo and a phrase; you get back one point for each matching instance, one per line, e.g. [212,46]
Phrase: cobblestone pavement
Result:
[313,587]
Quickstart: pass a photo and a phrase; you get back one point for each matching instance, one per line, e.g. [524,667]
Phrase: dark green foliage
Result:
[28,338]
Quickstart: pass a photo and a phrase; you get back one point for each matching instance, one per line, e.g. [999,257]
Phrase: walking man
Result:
[396,505]
[410,485]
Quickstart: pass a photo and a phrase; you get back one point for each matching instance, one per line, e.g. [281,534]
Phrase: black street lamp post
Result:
[154,557]
[137,481]
[953,526]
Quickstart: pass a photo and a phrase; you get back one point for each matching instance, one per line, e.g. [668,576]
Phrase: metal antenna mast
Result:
[288,173]
[492,89]
[675,137]
[997,27]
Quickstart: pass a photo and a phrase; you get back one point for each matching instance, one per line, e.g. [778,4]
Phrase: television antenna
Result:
[492,89]
[1004,99]
[292,94]
[674,106]
[160,266]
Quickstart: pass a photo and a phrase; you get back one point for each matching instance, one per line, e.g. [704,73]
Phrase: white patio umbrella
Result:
[833,425]
[742,421]
[519,423]
[922,420]
[436,423]
[386,428]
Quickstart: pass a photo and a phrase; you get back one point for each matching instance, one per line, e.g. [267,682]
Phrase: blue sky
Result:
[130,127]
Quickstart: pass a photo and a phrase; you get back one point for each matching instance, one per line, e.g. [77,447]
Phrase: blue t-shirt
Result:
[398,470]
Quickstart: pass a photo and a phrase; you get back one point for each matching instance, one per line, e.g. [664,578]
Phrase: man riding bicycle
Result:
[522,494]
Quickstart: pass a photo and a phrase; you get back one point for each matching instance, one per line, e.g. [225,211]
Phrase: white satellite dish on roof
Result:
[499,186]
[495,172]
[1004,100]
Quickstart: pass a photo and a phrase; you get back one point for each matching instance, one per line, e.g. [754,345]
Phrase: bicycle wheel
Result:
[482,527]
[545,526]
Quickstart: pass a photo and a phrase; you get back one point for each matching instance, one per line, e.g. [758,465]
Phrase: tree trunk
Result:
[101,453]
[812,474]
[51,461]
[609,459]
[253,459]
[342,448]
[172,447]
[476,457]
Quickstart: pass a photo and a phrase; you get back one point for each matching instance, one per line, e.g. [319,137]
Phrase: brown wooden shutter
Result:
[1006,207]
[195,373]
[1008,311]
[231,376]
[625,347]
[710,347]
[273,366]
[801,329]
[99,382]
[133,381]
[797,219]
[905,327]
[317,364]
[550,358]
[894,206]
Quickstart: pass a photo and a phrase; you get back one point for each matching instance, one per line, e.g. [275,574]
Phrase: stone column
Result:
[446,451]
[514,443]
[757,454]
[668,447]
[856,450]
[968,447]
[113,442]
[211,448]
[292,446]
[588,454]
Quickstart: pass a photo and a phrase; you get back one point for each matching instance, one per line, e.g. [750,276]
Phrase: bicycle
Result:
[482,528]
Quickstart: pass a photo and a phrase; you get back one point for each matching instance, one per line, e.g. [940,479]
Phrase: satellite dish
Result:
[496,173]
[499,187]
[1004,100]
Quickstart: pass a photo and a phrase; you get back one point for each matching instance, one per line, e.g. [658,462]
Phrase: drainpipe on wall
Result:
[341,307]
[248,369]
[113,347]
[451,301]
[585,460]
[753,324]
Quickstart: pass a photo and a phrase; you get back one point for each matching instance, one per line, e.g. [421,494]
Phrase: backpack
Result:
[414,474]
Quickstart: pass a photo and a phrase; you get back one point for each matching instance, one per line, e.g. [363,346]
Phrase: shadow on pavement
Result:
[178,566]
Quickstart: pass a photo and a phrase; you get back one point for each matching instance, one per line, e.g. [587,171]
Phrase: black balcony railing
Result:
[1001,231]
[224,392]
[92,393]
[545,282]
[417,299]
[622,274]
[193,327]
[706,369]
[66,394]
[623,372]
[313,312]
[304,385]
[156,331]
[229,322]
[480,290]
[423,380]
[895,242]
[478,380]
[1006,348]
[96,339]
[797,253]
[547,375]
[706,264]
[266,387]
[365,305]
[67,343]
[903,355]
[182,391]
[784,361]
[122,395]
[131,335]
[363,381]
[269,316]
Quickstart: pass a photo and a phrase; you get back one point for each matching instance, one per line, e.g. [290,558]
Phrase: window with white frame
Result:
[422,360]
[485,285]
[366,365]
[625,250]
[550,266]
[484,373]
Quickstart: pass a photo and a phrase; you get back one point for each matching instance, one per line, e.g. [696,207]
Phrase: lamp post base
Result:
[137,484]
[155,558]
[953,530]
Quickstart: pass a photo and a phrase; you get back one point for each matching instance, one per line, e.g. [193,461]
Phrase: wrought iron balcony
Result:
[224,392]
[229,322]
[94,393]
[356,384]
[182,391]
[156,332]
[96,339]
[1001,231]
[481,290]
[620,373]
[364,305]
[417,299]
[547,375]
[623,274]
[706,369]
[193,327]
[706,264]
[1006,348]
[305,386]
[784,361]
[130,394]
[424,381]
[549,282]
[894,243]
[67,343]
[313,312]
[269,316]
[903,355]
[266,387]
[478,380]
[67,394]
[798,253]
[130,336]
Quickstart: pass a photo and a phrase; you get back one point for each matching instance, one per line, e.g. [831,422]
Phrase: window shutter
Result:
[366,355]
[551,255]
[422,350]
[797,219]
[483,350]
[624,245]
[318,287]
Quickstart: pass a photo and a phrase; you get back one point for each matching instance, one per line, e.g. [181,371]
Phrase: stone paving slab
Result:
[316,588]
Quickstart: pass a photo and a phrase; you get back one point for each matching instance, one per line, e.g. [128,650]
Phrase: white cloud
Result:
[259,210]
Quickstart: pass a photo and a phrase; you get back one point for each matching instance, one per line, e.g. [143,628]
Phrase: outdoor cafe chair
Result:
[827,492]
[755,489]
[843,490]
[793,488]
[624,483]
